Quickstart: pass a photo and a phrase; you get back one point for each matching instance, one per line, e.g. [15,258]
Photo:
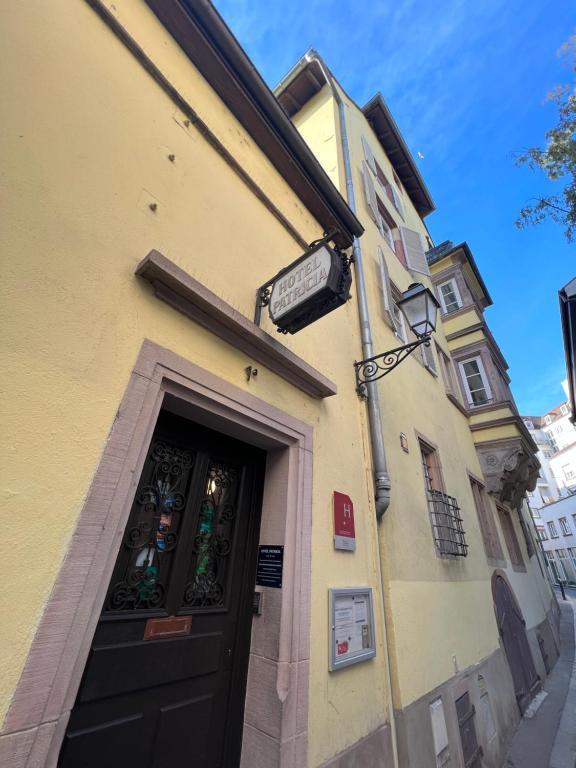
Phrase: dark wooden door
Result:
[512,630]
[471,751]
[165,680]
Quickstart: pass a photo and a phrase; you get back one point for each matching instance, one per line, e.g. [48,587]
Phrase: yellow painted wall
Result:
[85,140]
[481,418]
[461,322]
[439,266]
[317,121]
[464,341]
[85,152]
[496,433]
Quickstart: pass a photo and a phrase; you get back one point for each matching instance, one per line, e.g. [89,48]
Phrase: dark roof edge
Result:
[208,42]
[466,248]
[567,298]
[312,55]
[378,101]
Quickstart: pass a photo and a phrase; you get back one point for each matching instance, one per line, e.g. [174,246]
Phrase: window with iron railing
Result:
[447,527]
[449,534]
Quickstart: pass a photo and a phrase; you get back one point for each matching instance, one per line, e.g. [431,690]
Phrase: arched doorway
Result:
[511,626]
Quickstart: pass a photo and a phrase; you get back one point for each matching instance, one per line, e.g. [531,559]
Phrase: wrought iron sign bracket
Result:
[264,291]
[374,368]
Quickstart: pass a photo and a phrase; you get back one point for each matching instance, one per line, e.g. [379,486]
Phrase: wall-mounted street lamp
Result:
[420,308]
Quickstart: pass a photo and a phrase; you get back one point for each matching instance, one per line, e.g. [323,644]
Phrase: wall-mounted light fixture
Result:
[420,308]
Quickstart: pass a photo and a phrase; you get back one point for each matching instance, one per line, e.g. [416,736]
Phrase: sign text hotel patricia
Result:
[315,284]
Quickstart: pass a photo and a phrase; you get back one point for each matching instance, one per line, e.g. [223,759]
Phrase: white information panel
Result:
[351,626]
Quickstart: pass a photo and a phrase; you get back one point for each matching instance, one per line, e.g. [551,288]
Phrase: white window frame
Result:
[397,202]
[564,527]
[564,410]
[400,323]
[386,232]
[448,372]
[548,419]
[484,377]
[569,473]
[452,282]
[552,530]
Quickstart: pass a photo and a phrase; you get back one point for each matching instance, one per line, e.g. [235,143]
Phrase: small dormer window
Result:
[564,410]
[548,419]
[449,296]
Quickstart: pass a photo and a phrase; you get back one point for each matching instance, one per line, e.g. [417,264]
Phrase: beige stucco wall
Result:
[85,151]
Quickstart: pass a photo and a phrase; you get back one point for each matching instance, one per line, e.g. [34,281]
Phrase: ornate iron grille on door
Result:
[151,536]
[213,539]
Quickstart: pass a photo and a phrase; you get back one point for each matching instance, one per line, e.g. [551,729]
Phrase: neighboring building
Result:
[547,489]
[479,379]
[173,466]
[555,436]
[556,529]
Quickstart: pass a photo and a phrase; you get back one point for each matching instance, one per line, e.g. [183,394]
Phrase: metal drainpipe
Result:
[381,477]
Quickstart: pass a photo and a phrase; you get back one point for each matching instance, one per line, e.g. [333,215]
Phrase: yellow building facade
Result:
[447,644]
[159,444]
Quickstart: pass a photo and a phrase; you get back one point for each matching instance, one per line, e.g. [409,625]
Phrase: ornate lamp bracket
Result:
[374,368]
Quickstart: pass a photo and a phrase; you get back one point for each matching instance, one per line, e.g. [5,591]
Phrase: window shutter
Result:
[397,202]
[370,193]
[387,233]
[428,357]
[387,300]
[399,246]
[369,155]
[414,251]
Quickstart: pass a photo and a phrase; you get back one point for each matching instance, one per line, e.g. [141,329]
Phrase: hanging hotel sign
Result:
[309,288]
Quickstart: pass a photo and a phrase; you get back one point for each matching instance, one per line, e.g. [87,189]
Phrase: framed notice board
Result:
[351,617]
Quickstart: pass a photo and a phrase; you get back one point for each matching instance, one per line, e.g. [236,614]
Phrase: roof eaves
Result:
[407,170]
[463,247]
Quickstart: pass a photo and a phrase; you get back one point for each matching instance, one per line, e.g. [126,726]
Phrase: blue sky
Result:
[466,83]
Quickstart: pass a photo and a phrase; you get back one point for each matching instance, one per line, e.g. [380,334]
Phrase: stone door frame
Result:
[276,712]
